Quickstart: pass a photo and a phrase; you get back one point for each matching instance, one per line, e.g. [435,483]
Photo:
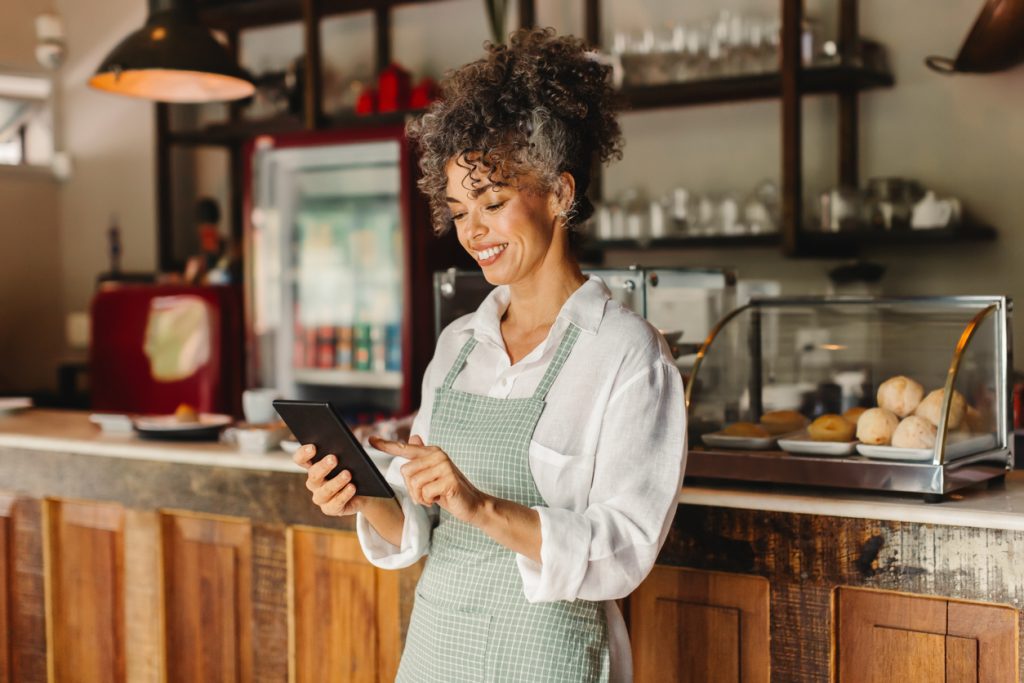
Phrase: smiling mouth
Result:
[488,254]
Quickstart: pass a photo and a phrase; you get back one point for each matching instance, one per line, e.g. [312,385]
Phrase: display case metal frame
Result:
[932,479]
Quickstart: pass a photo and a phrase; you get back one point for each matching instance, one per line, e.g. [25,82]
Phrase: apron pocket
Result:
[445,644]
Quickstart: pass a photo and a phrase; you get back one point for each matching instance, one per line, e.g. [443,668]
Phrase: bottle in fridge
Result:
[339,256]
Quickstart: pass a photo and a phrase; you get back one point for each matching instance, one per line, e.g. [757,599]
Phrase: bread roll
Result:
[876,426]
[747,430]
[975,421]
[783,421]
[831,427]
[931,408]
[853,414]
[914,432]
[900,395]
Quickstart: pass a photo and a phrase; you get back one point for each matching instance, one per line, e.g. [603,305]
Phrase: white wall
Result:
[31,327]
[111,142]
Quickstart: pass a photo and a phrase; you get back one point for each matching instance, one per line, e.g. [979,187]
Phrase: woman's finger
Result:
[316,474]
[338,505]
[303,455]
[400,448]
[326,491]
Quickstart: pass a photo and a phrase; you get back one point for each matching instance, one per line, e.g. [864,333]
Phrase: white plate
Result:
[746,443]
[958,447]
[169,423]
[12,404]
[803,444]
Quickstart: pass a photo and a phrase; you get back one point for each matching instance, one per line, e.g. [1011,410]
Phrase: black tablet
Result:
[318,423]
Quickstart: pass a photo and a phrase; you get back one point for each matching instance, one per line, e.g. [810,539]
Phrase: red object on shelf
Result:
[424,93]
[367,102]
[393,88]
[122,356]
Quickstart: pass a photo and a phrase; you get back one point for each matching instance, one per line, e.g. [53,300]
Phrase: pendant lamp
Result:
[172,59]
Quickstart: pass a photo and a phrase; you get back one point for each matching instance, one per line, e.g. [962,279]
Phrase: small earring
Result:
[564,216]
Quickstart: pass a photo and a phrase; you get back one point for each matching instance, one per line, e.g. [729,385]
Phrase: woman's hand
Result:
[336,497]
[431,477]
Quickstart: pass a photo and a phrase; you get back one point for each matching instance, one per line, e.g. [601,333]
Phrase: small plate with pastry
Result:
[185,424]
[829,434]
[740,436]
[958,446]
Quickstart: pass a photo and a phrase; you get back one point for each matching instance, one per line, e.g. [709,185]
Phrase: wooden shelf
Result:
[728,241]
[227,134]
[846,243]
[815,80]
[233,15]
[349,378]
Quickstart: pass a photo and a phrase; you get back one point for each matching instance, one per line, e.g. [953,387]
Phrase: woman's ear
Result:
[565,192]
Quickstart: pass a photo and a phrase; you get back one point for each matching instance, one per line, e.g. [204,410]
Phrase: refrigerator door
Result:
[328,272]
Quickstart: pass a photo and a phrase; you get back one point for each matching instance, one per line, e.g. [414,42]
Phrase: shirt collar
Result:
[584,309]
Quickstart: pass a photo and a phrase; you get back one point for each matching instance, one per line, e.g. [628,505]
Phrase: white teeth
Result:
[490,253]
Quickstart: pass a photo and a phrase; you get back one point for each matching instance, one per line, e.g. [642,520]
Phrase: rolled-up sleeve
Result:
[606,550]
[419,520]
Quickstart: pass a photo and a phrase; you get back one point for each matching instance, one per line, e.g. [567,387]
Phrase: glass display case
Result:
[908,394]
[684,303]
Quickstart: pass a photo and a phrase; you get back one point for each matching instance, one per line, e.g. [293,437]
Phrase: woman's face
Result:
[510,230]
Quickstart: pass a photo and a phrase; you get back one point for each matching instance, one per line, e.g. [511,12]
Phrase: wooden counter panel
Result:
[349,618]
[6,570]
[714,624]
[208,599]
[86,581]
[26,594]
[805,557]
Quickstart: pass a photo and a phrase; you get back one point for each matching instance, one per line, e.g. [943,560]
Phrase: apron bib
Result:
[471,621]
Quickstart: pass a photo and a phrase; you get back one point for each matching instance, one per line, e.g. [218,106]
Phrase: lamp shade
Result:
[172,59]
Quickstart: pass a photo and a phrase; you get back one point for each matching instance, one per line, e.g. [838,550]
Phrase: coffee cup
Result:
[258,405]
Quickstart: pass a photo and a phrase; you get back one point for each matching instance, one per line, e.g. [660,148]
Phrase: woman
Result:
[545,461]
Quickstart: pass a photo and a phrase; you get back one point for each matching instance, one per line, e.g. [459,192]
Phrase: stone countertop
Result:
[216,478]
[68,431]
[999,507]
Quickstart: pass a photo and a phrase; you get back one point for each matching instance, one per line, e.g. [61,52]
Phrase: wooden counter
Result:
[149,561]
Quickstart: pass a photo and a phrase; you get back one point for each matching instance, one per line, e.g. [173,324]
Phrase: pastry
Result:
[186,413]
[747,430]
[853,414]
[975,421]
[783,421]
[931,408]
[900,395]
[876,426]
[831,427]
[914,432]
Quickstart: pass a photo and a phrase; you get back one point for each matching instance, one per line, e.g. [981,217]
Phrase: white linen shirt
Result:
[607,455]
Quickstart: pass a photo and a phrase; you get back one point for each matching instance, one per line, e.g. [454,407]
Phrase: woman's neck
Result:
[535,303]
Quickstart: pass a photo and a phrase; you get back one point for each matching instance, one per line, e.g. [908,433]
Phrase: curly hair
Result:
[535,108]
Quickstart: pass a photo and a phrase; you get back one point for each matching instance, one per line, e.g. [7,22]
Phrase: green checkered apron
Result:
[471,620]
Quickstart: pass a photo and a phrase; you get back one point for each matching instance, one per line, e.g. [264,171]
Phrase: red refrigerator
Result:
[339,255]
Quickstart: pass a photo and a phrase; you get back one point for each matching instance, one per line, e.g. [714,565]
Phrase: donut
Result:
[853,414]
[831,427]
[783,421]
[747,430]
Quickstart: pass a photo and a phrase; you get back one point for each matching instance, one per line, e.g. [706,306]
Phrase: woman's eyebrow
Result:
[476,192]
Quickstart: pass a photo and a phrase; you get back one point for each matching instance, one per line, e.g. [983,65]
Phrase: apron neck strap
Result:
[449,379]
[554,367]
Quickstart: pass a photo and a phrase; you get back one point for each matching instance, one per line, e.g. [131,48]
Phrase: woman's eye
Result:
[495,207]
[458,216]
